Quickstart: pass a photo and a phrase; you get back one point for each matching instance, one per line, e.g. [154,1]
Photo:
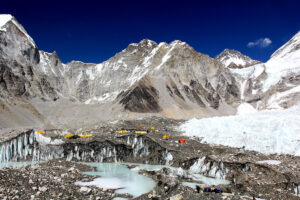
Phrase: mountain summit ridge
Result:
[145,79]
[234,59]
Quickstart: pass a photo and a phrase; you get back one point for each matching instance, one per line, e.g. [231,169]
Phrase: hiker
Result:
[198,188]
[217,190]
[207,189]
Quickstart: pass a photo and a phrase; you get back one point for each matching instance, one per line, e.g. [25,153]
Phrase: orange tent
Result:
[182,140]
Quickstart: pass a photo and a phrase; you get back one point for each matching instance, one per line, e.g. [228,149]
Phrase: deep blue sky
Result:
[93,31]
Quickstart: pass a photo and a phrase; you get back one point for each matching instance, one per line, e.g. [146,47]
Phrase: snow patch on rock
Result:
[269,162]
[4,18]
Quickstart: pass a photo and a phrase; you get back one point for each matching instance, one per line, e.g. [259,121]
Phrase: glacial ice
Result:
[209,168]
[297,189]
[179,172]
[167,157]
[31,146]
[18,148]
[267,132]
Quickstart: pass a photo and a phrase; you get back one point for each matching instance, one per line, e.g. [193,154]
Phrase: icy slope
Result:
[273,84]
[266,132]
[284,61]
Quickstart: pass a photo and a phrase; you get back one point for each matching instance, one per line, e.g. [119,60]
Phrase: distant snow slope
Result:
[235,59]
[285,60]
[269,132]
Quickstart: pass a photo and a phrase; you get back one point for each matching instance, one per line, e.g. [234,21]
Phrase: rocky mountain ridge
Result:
[145,79]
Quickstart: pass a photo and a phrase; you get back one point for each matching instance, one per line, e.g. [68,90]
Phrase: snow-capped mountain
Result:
[235,59]
[177,76]
[146,78]
[274,84]
[26,71]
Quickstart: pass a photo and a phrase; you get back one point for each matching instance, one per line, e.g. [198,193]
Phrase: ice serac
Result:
[268,132]
[234,59]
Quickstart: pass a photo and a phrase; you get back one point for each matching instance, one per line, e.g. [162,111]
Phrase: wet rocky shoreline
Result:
[56,179]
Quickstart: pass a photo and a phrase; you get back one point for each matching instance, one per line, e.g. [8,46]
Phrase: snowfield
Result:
[269,132]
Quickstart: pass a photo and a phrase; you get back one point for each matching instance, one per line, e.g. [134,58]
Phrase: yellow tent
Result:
[41,132]
[122,131]
[166,136]
[86,136]
[69,135]
[143,132]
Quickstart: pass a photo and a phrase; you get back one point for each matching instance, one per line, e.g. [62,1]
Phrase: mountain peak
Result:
[4,18]
[147,42]
[144,43]
[178,42]
[234,59]
[7,21]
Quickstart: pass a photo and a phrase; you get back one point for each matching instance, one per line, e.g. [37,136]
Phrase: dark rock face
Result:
[209,94]
[142,98]
[11,83]
[47,89]
[19,81]
[176,91]
[193,96]
[32,52]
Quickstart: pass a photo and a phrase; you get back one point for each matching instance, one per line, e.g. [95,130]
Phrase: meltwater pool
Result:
[118,176]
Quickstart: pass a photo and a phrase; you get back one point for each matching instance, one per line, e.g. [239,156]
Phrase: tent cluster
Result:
[132,131]
[142,130]
[70,135]
[74,136]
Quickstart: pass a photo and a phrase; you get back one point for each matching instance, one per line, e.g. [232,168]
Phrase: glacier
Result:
[269,132]
[32,146]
